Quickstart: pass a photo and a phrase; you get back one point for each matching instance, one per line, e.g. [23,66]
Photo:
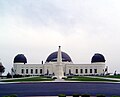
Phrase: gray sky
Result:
[36,28]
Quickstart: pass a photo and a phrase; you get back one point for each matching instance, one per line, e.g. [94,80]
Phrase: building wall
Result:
[32,68]
[51,68]
[85,69]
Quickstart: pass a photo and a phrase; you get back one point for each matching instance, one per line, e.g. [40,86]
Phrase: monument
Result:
[59,66]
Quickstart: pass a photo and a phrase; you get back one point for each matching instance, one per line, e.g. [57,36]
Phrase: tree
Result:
[9,75]
[2,69]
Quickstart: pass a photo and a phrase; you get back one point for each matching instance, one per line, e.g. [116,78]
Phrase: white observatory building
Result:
[59,64]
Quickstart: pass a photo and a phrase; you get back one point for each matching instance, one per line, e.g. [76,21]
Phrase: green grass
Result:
[29,79]
[112,76]
[83,78]
[75,78]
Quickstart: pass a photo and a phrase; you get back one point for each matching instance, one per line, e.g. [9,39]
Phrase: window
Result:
[36,71]
[90,70]
[22,71]
[40,71]
[95,70]
[26,71]
[76,70]
[69,71]
[47,72]
[81,70]
[31,71]
[85,70]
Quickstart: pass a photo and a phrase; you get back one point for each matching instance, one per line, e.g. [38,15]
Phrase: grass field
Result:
[29,79]
[74,78]
[112,76]
[83,78]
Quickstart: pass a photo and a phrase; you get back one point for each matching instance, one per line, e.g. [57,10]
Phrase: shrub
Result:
[69,76]
[100,95]
[17,76]
[54,77]
[115,96]
[9,75]
[27,75]
[12,95]
[6,96]
[85,95]
[62,95]
[75,95]
[63,78]
[48,76]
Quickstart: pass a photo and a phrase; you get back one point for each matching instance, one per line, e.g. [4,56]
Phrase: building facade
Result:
[59,64]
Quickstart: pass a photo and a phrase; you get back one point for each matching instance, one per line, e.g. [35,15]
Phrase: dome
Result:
[53,57]
[98,58]
[20,58]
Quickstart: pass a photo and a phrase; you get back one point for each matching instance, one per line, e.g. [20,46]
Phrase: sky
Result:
[82,28]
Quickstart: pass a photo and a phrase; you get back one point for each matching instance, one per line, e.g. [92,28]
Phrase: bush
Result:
[85,95]
[75,95]
[5,96]
[62,95]
[12,95]
[27,75]
[48,76]
[69,76]
[9,75]
[54,77]
[115,96]
[100,95]
[63,78]
[17,76]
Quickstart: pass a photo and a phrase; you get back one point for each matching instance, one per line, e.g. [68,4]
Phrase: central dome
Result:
[53,57]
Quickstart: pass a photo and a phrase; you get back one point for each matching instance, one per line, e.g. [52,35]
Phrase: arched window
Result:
[22,71]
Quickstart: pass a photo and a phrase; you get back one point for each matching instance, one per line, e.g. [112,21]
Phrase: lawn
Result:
[29,79]
[74,78]
[83,78]
[112,76]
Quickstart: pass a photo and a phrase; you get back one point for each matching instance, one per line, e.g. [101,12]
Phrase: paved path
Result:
[54,89]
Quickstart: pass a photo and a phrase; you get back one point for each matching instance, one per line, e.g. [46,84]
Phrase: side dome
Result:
[20,58]
[53,57]
[98,58]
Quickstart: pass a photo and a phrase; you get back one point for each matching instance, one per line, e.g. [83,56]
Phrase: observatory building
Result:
[59,64]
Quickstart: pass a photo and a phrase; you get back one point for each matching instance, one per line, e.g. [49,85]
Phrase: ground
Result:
[34,86]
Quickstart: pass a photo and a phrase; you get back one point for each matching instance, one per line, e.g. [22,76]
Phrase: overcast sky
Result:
[36,28]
